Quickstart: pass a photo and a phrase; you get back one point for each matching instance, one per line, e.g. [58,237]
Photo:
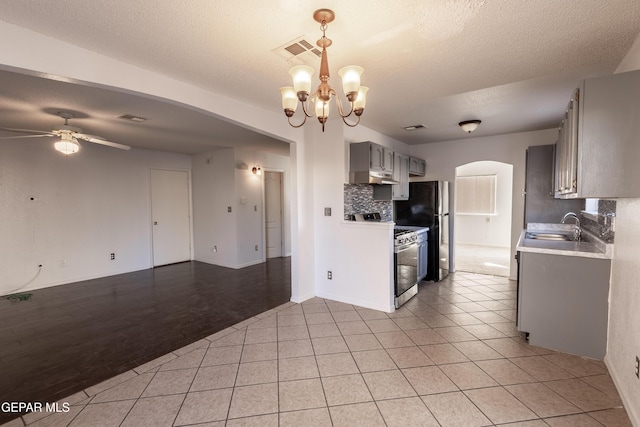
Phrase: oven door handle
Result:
[404,247]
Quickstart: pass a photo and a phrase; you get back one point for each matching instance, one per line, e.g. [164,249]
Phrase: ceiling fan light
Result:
[469,125]
[67,146]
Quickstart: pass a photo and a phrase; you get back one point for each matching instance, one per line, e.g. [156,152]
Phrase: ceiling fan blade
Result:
[99,140]
[24,136]
[46,133]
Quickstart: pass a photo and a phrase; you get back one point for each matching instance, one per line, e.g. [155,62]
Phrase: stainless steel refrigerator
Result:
[428,206]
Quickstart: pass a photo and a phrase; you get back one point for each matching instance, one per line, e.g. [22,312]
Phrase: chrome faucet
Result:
[578,231]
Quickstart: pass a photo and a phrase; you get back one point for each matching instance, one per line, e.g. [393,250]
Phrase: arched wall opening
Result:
[483,215]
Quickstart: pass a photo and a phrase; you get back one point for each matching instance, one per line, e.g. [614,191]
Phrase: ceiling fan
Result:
[69,135]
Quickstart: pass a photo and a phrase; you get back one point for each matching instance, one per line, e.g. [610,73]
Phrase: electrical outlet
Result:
[214,249]
[229,209]
[327,211]
[637,367]
[112,256]
[256,247]
[329,275]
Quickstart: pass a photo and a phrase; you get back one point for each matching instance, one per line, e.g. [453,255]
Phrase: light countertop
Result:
[587,249]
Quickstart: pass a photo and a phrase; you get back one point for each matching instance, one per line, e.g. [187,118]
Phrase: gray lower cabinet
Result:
[563,302]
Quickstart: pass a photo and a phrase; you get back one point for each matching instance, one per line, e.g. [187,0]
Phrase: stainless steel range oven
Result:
[405,262]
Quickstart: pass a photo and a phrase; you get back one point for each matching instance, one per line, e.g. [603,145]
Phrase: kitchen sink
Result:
[549,236]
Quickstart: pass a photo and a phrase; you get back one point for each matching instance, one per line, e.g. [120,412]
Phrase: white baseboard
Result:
[301,299]
[36,286]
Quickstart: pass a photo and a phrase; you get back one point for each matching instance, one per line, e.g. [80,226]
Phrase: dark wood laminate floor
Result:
[67,338]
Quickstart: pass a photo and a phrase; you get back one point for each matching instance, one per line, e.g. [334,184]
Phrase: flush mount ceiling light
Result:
[469,125]
[321,97]
[67,144]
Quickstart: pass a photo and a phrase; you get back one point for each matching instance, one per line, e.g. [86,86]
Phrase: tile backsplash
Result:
[358,198]
[601,224]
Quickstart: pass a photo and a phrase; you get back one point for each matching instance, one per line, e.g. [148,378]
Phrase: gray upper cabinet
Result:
[417,167]
[607,149]
[381,158]
[566,178]
[400,191]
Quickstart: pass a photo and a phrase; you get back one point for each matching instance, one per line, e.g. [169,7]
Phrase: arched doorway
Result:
[482,209]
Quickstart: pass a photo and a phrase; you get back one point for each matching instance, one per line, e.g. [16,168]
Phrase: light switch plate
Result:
[327,211]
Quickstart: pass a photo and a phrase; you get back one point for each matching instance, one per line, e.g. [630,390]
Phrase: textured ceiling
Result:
[510,63]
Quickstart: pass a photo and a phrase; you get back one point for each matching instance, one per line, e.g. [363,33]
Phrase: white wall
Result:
[220,183]
[444,157]
[623,341]
[86,206]
[487,230]
[359,258]
[250,203]
[213,191]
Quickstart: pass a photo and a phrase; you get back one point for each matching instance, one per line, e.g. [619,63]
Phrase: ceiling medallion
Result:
[321,97]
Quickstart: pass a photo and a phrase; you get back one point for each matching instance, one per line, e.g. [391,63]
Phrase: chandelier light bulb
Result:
[289,98]
[301,75]
[361,100]
[322,109]
[350,79]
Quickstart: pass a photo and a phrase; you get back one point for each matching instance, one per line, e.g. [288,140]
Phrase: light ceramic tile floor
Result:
[451,357]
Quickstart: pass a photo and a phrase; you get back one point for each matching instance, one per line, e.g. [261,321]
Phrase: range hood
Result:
[371,177]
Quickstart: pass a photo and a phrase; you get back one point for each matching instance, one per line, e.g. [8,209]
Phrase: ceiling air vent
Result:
[414,127]
[132,118]
[299,51]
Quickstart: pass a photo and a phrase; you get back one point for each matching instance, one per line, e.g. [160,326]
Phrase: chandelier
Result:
[321,97]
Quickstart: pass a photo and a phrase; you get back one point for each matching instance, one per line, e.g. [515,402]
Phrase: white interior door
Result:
[273,213]
[170,215]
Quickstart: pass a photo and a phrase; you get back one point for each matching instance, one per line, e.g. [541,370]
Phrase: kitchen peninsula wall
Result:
[358,198]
